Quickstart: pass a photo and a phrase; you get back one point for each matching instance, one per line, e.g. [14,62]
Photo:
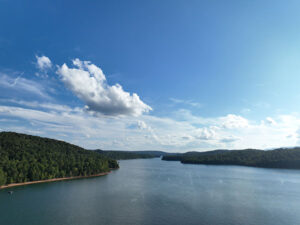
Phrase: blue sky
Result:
[165,75]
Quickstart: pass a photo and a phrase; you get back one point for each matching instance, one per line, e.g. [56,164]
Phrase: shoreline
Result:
[52,180]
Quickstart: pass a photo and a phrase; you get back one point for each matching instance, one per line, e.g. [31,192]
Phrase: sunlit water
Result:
[151,191]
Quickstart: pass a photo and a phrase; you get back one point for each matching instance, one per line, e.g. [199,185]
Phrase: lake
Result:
[152,191]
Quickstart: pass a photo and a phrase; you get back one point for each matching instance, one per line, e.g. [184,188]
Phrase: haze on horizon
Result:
[166,75]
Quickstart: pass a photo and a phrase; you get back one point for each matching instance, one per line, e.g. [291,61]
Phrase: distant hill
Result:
[131,154]
[180,156]
[278,158]
[26,158]
[151,152]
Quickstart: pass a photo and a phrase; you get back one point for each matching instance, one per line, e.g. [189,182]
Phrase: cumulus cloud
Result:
[205,133]
[43,63]
[232,121]
[88,82]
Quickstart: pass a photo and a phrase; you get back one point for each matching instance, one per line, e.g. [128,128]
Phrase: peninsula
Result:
[26,159]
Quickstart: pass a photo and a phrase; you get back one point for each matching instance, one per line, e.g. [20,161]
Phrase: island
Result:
[26,159]
[288,158]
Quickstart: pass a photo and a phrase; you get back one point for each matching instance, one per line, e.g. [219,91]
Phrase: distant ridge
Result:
[288,158]
[131,154]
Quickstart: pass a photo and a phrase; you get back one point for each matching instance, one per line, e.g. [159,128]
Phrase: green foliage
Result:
[279,158]
[30,158]
[2,177]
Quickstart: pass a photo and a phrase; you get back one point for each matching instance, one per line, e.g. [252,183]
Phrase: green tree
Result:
[29,158]
[2,178]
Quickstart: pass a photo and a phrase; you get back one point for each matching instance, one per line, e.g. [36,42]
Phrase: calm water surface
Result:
[151,191]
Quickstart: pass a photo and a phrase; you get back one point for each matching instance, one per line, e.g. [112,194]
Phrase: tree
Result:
[2,177]
[30,158]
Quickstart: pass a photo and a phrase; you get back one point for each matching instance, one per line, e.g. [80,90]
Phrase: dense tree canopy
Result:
[30,158]
[278,158]
[2,177]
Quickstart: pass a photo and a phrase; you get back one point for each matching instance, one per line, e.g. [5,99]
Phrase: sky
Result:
[164,75]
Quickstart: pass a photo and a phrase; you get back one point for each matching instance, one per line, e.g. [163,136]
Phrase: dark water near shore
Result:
[151,191]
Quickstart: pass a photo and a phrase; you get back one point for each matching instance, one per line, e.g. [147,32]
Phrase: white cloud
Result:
[205,133]
[20,84]
[187,137]
[88,83]
[270,121]
[232,121]
[291,136]
[186,115]
[186,102]
[142,125]
[44,105]
[43,63]
[229,139]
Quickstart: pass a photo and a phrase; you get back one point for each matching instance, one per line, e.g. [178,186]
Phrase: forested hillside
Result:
[30,158]
[130,154]
[278,158]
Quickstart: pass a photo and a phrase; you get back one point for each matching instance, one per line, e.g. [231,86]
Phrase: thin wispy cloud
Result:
[185,102]
[43,105]
[229,139]
[22,85]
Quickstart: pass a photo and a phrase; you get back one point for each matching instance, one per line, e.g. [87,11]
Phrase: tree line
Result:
[278,158]
[30,158]
[127,154]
